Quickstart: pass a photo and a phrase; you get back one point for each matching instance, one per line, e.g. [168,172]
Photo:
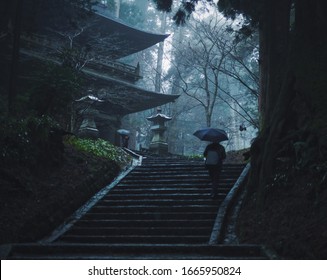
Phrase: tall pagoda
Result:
[112,92]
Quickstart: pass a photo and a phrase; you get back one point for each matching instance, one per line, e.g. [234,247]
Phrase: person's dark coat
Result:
[219,149]
[214,169]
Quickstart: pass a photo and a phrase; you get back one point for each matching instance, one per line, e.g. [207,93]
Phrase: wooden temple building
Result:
[112,90]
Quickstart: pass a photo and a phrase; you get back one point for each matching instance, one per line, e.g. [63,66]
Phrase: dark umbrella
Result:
[211,134]
[123,131]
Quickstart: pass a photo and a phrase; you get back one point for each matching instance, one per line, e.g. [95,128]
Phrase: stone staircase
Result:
[161,210]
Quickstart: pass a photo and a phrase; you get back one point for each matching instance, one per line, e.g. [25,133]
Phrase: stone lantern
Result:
[88,127]
[158,144]
[85,107]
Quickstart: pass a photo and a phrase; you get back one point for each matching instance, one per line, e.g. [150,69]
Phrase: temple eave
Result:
[123,98]
[130,39]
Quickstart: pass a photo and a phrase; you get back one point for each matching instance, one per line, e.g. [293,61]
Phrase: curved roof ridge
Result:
[118,20]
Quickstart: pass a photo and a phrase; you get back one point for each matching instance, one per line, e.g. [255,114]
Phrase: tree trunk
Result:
[160,55]
[274,50]
[208,117]
[310,68]
[16,21]
[275,41]
[290,70]
[117,12]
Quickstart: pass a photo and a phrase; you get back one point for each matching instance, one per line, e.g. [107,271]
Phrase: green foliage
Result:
[284,176]
[183,13]
[74,58]
[163,5]
[29,141]
[302,161]
[305,154]
[54,92]
[250,9]
[197,157]
[98,147]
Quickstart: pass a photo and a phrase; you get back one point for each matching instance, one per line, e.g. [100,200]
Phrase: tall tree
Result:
[205,60]
[292,81]
[160,55]
[201,67]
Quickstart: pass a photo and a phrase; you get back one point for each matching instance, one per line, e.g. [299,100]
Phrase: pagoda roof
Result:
[100,32]
[117,97]
[127,39]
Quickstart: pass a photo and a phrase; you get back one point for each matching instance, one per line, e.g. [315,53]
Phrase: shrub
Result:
[100,148]
[29,141]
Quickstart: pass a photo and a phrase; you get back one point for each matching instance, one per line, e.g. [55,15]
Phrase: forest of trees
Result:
[213,62]
[229,103]
[222,95]
[254,68]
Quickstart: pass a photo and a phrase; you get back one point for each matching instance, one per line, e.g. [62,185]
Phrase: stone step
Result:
[139,239]
[158,196]
[170,161]
[167,189]
[129,202]
[136,251]
[152,216]
[182,168]
[186,166]
[167,231]
[148,208]
[178,173]
[143,222]
[172,177]
[161,210]
[174,183]
[163,177]
[163,206]
[182,174]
